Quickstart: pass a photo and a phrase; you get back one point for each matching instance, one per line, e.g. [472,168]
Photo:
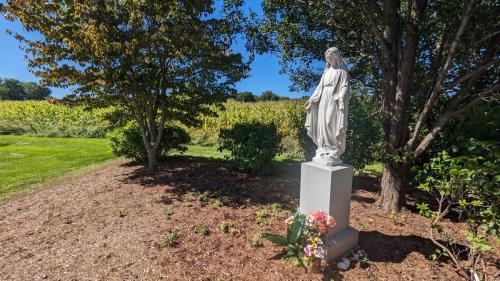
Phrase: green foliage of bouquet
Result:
[305,240]
[294,239]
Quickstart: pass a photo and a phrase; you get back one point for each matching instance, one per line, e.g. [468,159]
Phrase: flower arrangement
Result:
[305,237]
[316,227]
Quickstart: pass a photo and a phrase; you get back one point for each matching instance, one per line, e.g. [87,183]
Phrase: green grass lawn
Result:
[374,169]
[204,151]
[28,161]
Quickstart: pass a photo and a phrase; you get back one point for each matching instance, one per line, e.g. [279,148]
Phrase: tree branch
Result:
[441,75]
[408,57]
[372,26]
[450,254]
[470,74]
[161,125]
[141,122]
[449,115]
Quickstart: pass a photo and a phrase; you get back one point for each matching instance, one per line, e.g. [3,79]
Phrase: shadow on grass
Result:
[182,175]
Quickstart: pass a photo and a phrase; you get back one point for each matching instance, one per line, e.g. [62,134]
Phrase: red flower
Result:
[322,228]
[319,216]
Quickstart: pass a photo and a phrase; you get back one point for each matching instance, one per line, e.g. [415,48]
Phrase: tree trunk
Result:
[395,180]
[152,158]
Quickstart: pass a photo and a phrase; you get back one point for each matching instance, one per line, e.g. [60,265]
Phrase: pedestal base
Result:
[341,243]
[328,189]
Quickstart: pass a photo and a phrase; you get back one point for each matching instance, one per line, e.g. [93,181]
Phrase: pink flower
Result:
[330,221]
[308,251]
[290,220]
[322,228]
[319,216]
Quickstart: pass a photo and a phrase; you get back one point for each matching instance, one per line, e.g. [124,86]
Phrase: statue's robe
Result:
[326,121]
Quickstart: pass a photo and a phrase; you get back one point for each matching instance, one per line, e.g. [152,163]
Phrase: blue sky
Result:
[263,76]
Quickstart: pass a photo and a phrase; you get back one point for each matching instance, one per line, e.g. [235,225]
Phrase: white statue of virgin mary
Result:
[326,121]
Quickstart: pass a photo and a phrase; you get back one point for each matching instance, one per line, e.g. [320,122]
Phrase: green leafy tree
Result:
[163,60]
[33,91]
[428,61]
[245,97]
[11,89]
[269,96]
[480,123]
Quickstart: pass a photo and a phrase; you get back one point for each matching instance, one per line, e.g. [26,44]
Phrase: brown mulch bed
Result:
[109,224]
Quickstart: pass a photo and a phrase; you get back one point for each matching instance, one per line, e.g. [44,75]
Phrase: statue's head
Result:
[334,59]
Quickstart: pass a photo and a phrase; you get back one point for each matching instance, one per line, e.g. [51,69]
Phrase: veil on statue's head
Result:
[334,52]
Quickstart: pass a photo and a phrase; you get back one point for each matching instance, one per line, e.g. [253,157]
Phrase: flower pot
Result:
[316,266]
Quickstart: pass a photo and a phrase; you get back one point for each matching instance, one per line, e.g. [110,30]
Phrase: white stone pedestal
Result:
[328,189]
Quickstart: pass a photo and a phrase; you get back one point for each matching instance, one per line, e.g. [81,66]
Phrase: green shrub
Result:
[127,141]
[261,218]
[275,208]
[119,213]
[363,134]
[307,145]
[290,148]
[224,226]
[252,145]
[202,230]
[169,211]
[363,131]
[171,239]
[466,182]
[480,123]
[256,240]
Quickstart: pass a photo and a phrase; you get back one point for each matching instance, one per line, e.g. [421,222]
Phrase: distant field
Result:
[41,118]
[28,161]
